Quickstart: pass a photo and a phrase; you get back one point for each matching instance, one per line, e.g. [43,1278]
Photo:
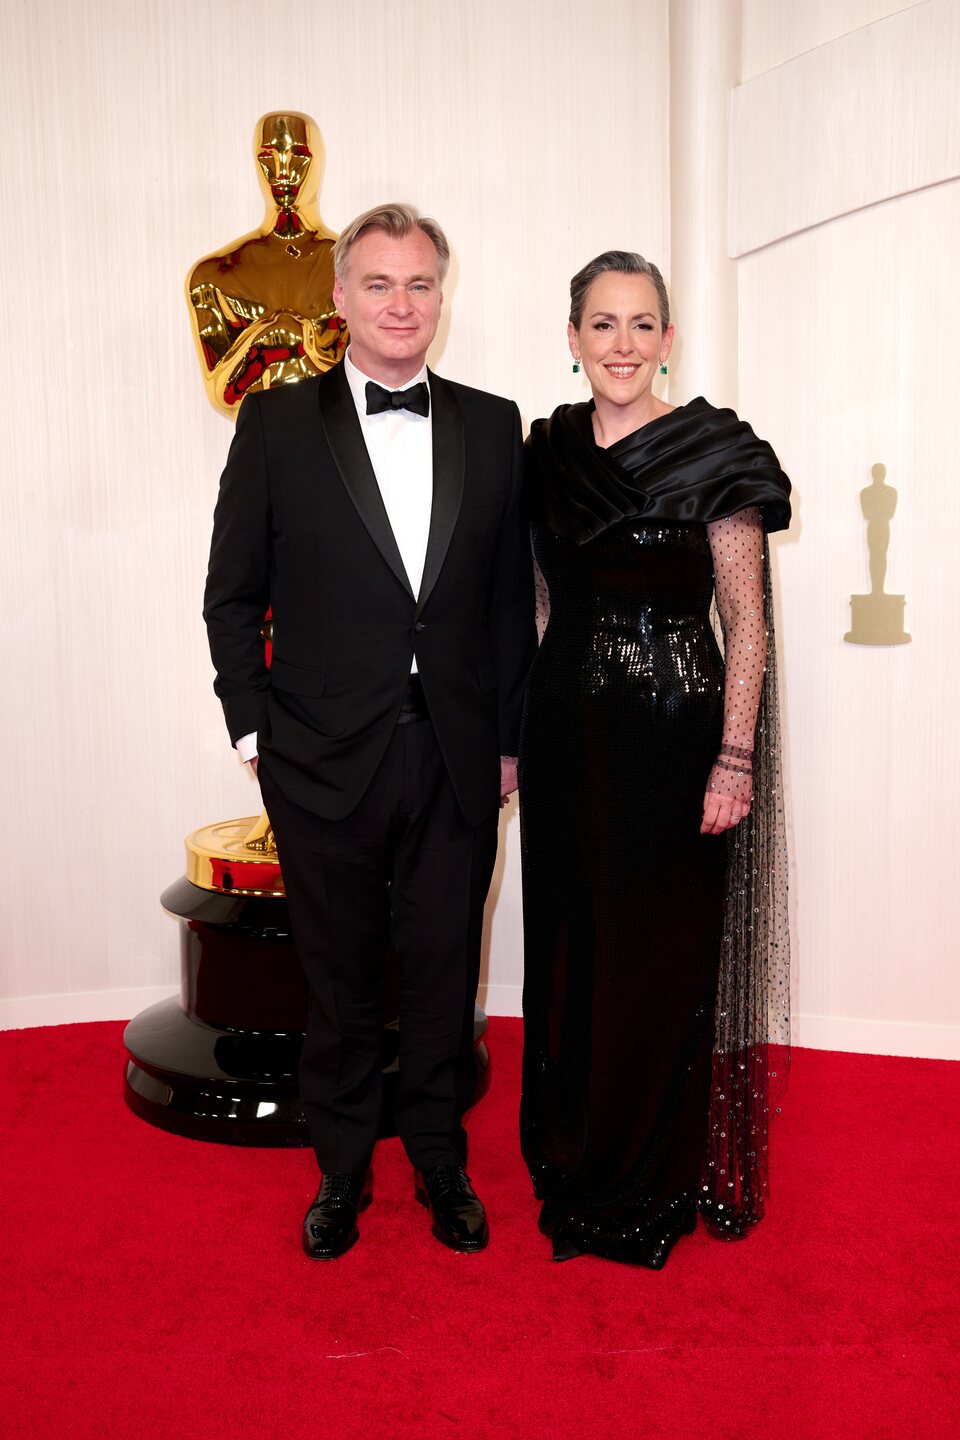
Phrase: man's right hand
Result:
[254,763]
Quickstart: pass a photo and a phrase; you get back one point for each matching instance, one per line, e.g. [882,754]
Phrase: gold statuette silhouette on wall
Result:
[877,618]
[262,308]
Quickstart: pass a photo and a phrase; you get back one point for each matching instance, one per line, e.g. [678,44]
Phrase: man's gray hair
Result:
[616,262]
[396,220]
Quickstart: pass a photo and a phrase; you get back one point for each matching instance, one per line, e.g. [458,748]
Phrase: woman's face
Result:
[621,341]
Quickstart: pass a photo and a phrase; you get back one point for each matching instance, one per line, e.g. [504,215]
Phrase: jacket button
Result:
[419,626]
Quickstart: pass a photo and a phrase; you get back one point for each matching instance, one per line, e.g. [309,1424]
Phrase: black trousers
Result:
[404,865]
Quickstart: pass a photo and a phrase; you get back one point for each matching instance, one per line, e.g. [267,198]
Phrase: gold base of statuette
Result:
[218,858]
[877,620]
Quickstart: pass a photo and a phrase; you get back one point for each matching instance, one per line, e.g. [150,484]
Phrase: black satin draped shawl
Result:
[694,464]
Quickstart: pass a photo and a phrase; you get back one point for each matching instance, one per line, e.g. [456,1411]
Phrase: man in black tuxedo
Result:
[377,508]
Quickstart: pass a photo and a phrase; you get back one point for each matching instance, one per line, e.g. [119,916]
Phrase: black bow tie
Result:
[417,399]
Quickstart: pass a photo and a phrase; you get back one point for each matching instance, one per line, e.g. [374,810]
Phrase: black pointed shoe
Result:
[459,1219]
[330,1225]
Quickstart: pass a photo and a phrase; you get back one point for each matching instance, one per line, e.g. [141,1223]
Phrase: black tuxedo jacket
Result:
[300,525]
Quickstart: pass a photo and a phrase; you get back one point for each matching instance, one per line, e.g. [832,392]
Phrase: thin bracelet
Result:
[737,767]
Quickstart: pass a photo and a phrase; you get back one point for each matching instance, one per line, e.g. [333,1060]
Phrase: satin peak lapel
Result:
[448,471]
[338,416]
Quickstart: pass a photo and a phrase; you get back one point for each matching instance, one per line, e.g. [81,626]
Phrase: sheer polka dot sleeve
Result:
[736,544]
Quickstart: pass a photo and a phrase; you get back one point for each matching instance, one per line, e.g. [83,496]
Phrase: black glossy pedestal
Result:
[220,1063]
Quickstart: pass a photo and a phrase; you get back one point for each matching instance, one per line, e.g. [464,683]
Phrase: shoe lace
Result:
[341,1186]
[449,1180]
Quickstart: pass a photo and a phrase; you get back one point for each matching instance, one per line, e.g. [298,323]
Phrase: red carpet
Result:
[154,1287]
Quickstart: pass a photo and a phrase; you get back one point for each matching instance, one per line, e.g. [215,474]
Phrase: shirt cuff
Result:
[247,747]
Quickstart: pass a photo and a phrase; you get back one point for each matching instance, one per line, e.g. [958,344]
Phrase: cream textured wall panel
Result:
[871,115]
[847,336]
[775,31]
[128,156]
[704,55]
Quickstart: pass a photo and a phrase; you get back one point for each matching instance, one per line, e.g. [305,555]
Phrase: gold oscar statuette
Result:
[219,1060]
[262,314]
[262,307]
[877,618]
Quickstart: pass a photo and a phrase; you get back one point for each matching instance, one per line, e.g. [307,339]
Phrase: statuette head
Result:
[289,152]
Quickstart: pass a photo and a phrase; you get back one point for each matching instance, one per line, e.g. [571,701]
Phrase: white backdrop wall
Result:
[523,127]
[538,138]
[776,31]
[847,337]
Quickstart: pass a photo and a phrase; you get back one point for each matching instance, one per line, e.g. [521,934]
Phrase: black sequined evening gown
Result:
[622,725]
[623,897]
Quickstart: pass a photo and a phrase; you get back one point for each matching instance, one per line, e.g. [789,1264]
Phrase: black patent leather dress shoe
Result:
[330,1225]
[459,1219]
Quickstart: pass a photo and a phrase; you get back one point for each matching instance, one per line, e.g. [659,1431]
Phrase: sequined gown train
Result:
[624,899]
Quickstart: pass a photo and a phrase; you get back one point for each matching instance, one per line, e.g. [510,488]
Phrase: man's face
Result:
[390,298]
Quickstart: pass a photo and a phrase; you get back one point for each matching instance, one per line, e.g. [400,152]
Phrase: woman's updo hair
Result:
[617,262]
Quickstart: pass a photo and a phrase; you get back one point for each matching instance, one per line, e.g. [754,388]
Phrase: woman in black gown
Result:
[653,864]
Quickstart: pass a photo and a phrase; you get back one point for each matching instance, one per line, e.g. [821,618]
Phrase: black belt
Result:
[414,706]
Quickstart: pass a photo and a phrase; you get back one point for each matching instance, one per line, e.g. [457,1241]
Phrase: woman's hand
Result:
[721,812]
[728,796]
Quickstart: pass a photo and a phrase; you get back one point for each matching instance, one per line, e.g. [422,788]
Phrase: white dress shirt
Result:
[400,446]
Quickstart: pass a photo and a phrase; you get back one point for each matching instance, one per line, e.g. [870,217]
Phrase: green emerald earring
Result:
[663,369]
[576,367]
